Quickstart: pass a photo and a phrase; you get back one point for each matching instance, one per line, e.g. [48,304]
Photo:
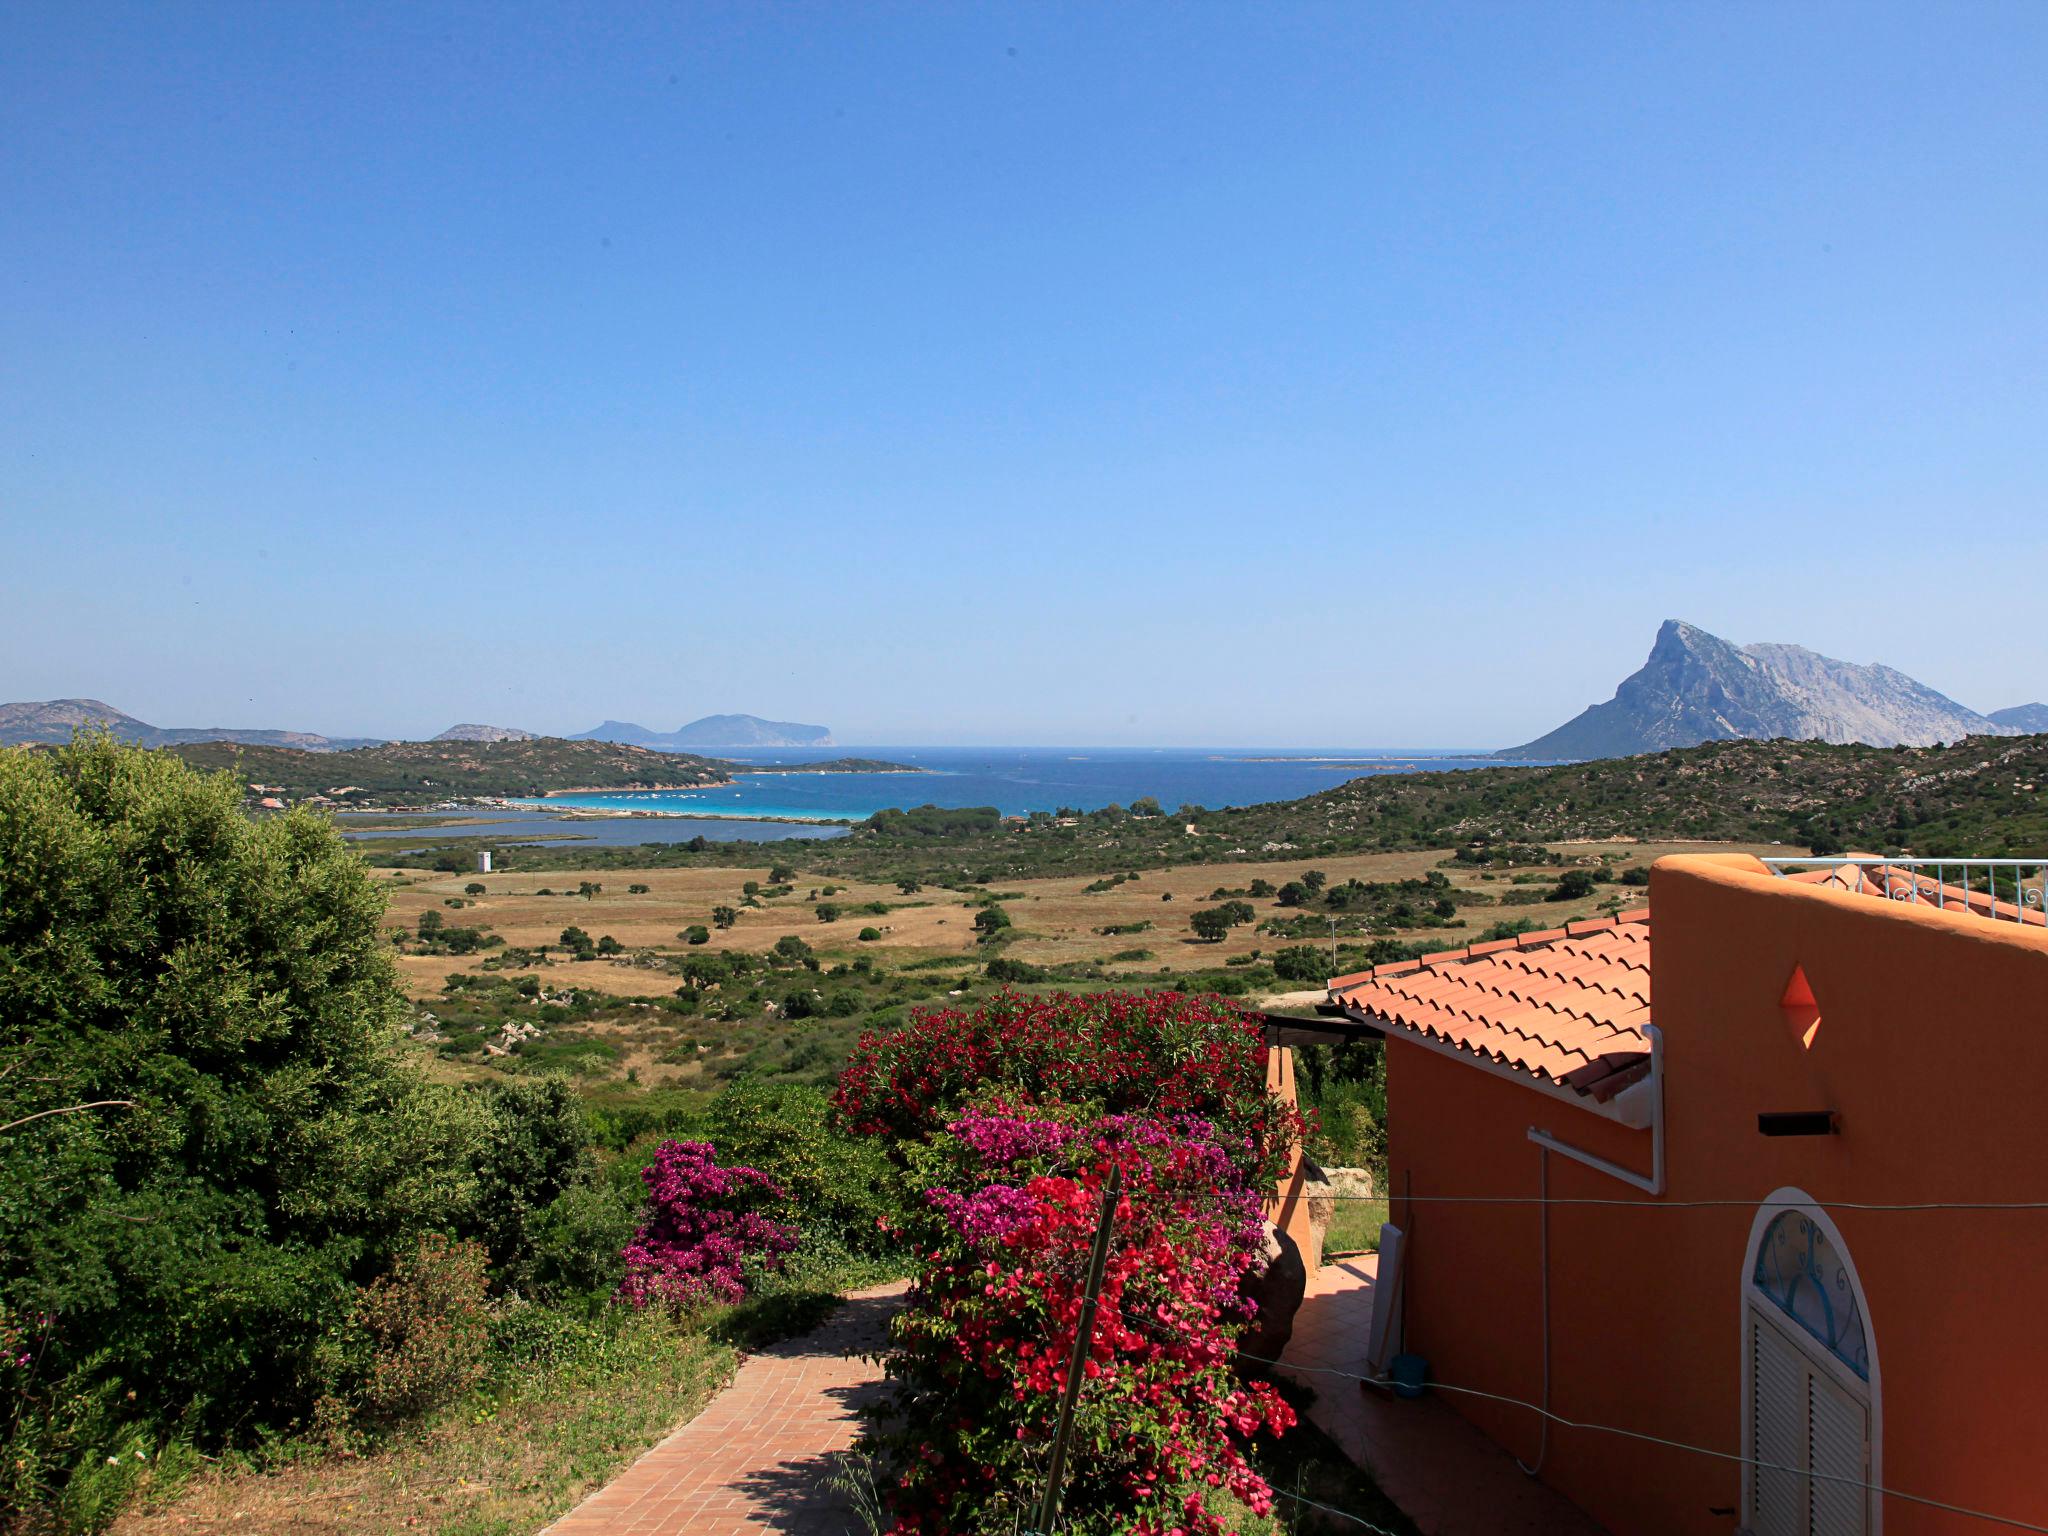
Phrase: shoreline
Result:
[602,813]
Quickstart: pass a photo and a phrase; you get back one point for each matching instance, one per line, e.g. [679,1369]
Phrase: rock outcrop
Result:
[1698,687]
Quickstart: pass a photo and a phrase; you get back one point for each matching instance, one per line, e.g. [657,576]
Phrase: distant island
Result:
[411,774]
[712,731]
[830,765]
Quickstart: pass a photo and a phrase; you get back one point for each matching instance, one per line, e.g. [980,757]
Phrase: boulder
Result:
[1277,1294]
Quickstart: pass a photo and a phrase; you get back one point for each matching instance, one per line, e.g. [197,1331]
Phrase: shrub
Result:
[419,1334]
[696,933]
[835,1186]
[980,1353]
[828,912]
[702,1229]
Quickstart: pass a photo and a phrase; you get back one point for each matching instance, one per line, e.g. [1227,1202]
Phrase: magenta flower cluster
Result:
[703,1225]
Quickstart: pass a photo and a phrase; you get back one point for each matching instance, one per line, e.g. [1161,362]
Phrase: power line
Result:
[1680,1445]
[1747,1204]
[1331,1509]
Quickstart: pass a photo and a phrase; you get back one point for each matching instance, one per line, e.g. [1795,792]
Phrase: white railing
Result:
[2011,890]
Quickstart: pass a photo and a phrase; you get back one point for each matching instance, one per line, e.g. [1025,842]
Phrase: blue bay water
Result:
[1018,780]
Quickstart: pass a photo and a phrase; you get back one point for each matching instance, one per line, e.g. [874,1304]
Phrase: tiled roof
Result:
[1568,1005]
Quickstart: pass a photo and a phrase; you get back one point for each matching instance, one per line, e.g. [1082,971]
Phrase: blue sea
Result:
[1018,780]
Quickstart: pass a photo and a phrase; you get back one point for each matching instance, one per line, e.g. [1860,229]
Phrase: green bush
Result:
[226,983]
[534,1148]
[836,1186]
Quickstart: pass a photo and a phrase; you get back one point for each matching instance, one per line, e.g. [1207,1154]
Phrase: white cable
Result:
[1331,1509]
[1679,1445]
[1655,1204]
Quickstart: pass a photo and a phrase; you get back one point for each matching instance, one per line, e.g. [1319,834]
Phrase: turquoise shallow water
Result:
[1018,780]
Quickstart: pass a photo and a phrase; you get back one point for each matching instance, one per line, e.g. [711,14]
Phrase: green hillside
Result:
[1987,796]
[411,771]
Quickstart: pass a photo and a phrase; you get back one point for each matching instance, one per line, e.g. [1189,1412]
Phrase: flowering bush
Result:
[1157,1053]
[982,1347]
[702,1227]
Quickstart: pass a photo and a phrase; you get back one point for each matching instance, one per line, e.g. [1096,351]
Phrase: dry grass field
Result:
[1055,920]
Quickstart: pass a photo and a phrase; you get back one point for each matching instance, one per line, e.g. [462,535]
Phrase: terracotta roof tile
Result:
[1566,1005]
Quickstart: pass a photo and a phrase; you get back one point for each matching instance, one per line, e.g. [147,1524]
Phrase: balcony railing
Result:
[2009,890]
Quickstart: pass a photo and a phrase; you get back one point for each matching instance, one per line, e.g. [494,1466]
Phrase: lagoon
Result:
[1019,780]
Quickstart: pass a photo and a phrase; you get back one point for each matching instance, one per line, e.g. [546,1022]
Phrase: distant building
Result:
[271,803]
[483,862]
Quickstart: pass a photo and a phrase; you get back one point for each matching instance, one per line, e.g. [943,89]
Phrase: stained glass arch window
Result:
[1801,1272]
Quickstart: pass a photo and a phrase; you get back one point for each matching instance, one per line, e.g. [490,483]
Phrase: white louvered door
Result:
[1777,1432]
[1802,1422]
[1838,1448]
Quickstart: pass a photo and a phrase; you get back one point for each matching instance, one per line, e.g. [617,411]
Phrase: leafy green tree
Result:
[791,950]
[990,921]
[781,874]
[1293,894]
[533,1149]
[1146,805]
[473,889]
[1236,912]
[223,988]
[610,946]
[909,887]
[828,912]
[1303,963]
[724,917]
[431,923]
[1313,880]
[573,937]
[1572,885]
[1211,924]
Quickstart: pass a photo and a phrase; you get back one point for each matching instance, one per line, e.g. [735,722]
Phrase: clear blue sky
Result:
[1337,375]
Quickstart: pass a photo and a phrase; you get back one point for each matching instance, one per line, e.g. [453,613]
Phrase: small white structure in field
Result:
[483,862]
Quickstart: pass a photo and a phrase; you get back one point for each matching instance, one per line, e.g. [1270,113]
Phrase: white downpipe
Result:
[1653,1182]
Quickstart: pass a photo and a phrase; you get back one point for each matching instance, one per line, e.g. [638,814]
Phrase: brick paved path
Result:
[757,1457]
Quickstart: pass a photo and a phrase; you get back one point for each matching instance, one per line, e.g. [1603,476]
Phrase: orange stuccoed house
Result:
[1753,1238]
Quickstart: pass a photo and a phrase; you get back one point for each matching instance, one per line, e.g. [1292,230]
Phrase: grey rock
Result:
[1698,687]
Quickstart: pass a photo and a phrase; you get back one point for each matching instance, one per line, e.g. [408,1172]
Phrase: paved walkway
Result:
[1442,1473]
[758,1456]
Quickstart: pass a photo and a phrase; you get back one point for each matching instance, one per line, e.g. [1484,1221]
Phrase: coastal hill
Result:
[2021,717]
[486,733]
[1697,687]
[712,731]
[411,772]
[53,721]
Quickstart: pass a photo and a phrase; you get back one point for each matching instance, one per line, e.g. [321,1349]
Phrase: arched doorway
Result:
[1809,1375]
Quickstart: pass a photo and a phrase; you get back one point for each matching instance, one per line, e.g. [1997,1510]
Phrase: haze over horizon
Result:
[1312,376]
